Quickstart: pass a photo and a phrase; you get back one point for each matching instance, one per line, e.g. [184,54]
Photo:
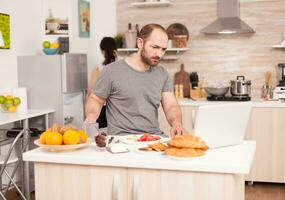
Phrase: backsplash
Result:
[218,58]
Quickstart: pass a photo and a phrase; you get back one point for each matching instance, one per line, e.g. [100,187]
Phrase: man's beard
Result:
[149,61]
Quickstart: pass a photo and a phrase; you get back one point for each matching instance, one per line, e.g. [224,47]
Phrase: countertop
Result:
[6,118]
[255,103]
[235,159]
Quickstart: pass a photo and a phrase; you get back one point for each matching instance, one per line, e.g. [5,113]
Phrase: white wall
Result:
[25,37]
[102,23]
[27,29]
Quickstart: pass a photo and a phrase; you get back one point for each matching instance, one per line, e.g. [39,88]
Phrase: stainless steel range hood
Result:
[228,21]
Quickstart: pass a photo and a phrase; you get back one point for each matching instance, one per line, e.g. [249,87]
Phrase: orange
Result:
[53,138]
[83,136]
[71,137]
[43,137]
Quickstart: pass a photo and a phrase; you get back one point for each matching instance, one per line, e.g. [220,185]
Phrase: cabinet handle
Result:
[135,187]
[115,189]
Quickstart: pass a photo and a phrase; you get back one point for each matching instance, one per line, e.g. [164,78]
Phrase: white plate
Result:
[186,158]
[132,139]
[148,152]
[60,147]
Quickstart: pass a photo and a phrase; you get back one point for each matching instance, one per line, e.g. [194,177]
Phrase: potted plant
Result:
[119,40]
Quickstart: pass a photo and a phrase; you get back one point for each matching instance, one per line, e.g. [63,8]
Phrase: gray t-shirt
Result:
[132,97]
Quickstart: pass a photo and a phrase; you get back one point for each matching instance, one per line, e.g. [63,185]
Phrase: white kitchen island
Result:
[89,174]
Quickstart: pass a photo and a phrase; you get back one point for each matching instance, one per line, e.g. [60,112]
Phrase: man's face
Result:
[153,48]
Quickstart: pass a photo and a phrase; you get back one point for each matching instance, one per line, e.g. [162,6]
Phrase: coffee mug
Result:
[53,26]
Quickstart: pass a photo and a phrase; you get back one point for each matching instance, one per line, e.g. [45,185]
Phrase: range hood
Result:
[228,21]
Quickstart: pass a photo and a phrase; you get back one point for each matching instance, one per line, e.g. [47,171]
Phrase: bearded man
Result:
[134,87]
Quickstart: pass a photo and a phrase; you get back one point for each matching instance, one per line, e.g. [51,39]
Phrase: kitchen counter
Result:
[90,174]
[234,159]
[255,103]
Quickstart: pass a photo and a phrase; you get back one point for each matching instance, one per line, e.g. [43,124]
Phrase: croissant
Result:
[188,141]
[184,152]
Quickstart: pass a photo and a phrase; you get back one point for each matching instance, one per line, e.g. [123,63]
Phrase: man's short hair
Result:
[146,31]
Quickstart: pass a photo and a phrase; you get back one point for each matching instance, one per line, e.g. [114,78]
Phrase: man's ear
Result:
[140,43]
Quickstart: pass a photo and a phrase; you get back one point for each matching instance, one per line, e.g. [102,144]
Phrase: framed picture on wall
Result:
[4,31]
[84,18]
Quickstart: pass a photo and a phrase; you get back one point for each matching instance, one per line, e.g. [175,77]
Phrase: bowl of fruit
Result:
[9,103]
[62,138]
[50,48]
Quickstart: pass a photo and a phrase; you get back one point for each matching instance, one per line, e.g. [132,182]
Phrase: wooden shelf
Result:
[151,4]
[177,50]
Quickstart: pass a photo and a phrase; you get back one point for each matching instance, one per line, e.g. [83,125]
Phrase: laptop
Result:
[221,125]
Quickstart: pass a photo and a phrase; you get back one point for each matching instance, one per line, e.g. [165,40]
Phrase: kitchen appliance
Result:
[58,82]
[240,87]
[279,91]
[228,21]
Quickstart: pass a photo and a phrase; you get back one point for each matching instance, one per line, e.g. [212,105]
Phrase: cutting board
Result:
[182,77]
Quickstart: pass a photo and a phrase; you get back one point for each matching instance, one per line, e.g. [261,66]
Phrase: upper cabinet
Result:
[152,3]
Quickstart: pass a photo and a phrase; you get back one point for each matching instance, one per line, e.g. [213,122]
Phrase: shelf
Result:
[151,4]
[177,50]
[278,46]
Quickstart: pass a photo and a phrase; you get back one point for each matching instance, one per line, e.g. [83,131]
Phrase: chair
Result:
[16,158]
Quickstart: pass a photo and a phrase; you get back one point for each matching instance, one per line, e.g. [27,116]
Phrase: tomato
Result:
[148,137]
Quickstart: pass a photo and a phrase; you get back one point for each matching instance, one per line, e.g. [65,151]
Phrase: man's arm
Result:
[173,113]
[93,107]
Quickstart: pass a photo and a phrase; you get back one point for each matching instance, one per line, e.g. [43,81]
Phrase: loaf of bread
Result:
[188,141]
[184,152]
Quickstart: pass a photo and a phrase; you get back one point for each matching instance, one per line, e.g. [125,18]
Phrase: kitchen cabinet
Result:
[266,126]
[116,183]
[92,182]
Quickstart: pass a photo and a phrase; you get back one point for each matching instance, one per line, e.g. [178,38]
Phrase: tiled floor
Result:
[259,191]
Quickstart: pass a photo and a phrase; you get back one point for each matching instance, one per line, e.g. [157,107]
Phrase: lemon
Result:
[12,108]
[54,45]
[9,97]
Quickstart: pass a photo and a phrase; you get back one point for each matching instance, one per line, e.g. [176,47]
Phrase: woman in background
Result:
[109,50]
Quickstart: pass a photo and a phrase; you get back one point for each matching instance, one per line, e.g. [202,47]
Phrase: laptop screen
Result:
[222,124]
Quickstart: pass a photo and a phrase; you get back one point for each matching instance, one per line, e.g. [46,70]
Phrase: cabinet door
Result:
[187,119]
[73,182]
[267,127]
[146,184]
[109,183]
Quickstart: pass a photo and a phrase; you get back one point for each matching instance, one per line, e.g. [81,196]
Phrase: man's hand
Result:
[177,129]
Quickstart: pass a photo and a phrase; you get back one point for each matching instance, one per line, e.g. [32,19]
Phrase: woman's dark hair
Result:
[108,46]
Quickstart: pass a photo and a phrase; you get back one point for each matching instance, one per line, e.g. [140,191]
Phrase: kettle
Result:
[240,86]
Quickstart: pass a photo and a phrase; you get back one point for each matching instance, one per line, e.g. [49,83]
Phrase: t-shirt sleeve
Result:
[168,86]
[103,84]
